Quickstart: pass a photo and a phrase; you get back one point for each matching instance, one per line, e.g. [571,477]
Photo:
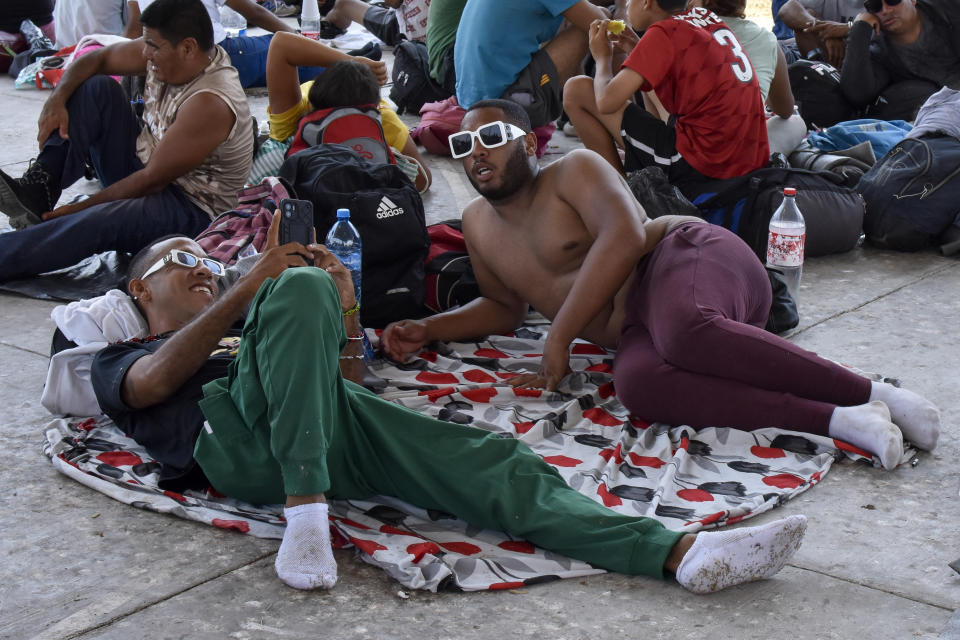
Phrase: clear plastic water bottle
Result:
[343,241]
[310,19]
[788,232]
[234,23]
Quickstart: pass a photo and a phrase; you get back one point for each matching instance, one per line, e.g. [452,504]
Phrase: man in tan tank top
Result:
[171,174]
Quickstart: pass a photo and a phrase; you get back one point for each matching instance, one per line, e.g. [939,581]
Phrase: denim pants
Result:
[102,127]
[248,54]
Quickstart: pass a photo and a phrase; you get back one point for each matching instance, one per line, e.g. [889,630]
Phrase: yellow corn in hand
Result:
[616,27]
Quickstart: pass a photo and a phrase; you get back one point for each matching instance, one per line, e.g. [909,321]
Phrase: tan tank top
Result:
[213,185]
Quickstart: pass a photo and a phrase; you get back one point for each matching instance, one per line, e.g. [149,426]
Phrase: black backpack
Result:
[913,193]
[833,212]
[387,212]
[412,85]
[816,88]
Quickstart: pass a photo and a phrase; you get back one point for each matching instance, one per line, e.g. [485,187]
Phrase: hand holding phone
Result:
[296,221]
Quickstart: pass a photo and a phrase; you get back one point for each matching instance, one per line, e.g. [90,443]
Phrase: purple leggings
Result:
[693,349]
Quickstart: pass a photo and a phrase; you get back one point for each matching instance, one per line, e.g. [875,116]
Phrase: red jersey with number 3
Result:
[703,78]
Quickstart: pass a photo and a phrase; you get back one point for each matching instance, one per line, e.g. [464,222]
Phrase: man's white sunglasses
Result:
[492,135]
[188,260]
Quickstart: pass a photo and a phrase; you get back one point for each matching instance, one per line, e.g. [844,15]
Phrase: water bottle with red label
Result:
[310,20]
[785,242]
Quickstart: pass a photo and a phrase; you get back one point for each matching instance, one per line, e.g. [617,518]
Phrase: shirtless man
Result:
[683,302]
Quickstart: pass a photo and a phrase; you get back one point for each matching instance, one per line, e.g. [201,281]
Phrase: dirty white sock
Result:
[868,426]
[305,559]
[721,559]
[917,417]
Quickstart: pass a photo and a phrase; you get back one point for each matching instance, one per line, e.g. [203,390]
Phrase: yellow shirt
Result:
[284,125]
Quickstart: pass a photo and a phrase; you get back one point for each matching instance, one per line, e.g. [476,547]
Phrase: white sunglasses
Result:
[188,260]
[492,135]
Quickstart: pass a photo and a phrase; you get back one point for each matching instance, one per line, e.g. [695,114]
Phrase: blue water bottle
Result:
[343,241]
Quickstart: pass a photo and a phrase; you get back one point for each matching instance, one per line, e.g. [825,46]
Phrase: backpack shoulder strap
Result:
[298,143]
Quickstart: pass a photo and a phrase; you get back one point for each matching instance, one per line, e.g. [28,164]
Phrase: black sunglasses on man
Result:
[876,6]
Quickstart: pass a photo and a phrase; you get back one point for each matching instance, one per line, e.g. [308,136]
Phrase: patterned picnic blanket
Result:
[686,479]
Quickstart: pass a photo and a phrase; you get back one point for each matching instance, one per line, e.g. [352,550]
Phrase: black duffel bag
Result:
[832,211]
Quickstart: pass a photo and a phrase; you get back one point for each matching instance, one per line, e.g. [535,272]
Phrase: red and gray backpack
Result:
[359,128]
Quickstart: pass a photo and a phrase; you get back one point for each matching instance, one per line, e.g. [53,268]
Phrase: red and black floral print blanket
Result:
[686,479]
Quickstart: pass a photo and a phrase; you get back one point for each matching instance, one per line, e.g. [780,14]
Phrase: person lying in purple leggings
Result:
[683,302]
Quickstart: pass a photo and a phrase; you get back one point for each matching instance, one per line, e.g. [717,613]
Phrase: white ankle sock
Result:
[305,559]
[917,417]
[721,559]
[868,426]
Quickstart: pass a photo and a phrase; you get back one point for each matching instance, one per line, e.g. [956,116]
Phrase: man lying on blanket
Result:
[683,302]
[283,424]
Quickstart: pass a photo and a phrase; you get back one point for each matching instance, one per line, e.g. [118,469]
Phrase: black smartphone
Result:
[296,221]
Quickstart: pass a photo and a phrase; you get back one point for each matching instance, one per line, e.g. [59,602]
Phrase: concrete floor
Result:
[874,563]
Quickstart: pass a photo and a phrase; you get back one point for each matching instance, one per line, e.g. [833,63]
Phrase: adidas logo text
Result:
[388,208]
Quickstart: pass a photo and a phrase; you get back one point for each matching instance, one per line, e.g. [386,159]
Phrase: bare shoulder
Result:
[207,103]
[596,191]
[476,220]
[205,115]
[583,168]
[573,168]
[585,157]
[474,214]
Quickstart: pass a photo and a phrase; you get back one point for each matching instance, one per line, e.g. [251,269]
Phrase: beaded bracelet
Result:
[359,357]
[358,336]
[352,310]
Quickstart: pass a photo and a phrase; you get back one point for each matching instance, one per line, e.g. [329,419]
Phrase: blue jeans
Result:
[103,129]
[781,30]
[249,55]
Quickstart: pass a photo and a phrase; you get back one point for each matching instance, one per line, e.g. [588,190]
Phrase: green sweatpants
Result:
[284,422]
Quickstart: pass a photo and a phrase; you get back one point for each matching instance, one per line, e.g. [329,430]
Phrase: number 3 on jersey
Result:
[743,70]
